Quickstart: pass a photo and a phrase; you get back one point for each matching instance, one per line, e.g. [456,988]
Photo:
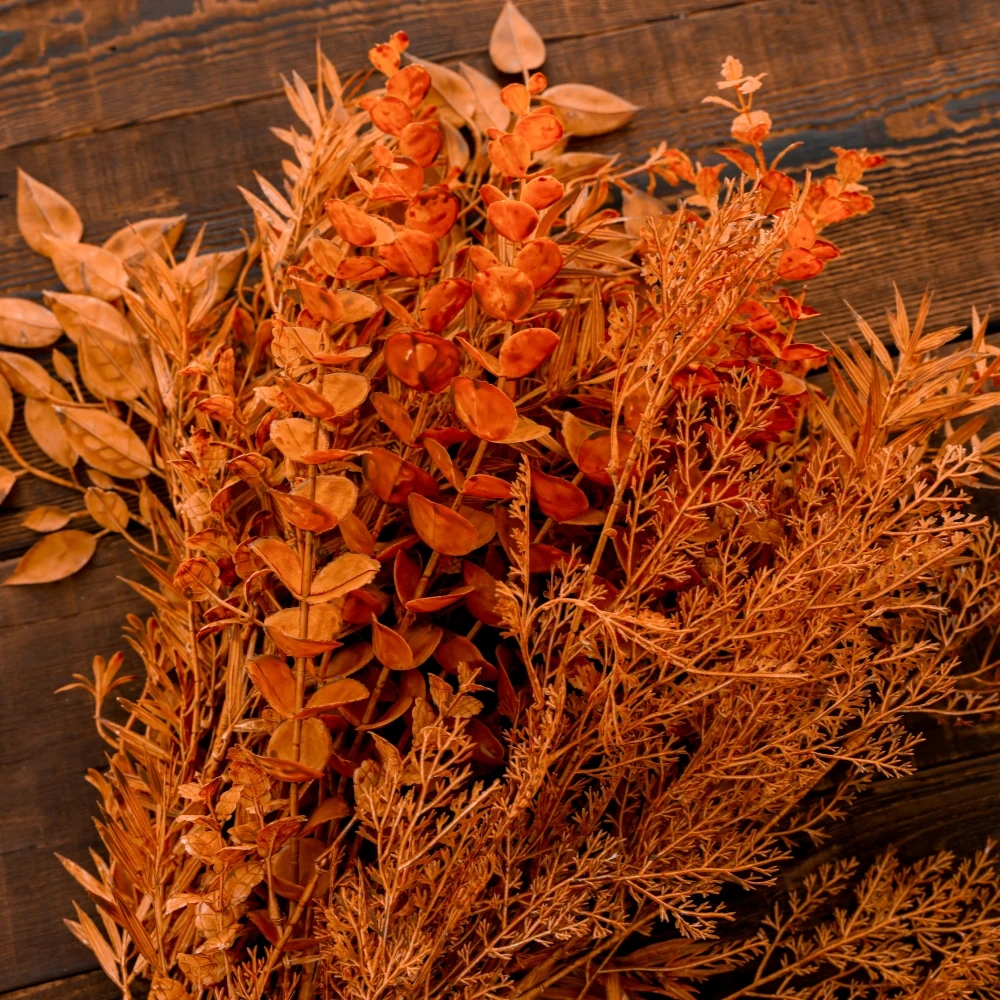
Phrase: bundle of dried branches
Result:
[513,591]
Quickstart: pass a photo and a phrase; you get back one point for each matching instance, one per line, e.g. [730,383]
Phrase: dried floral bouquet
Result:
[513,592]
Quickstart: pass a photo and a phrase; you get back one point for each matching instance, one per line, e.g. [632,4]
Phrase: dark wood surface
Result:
[135,108]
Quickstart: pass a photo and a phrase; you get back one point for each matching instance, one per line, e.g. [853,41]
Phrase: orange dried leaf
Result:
[505,293]
[515,220]
[798,264]
[511,155]
[285,631]
[444,302]
[409,85]
[540,129]
[351,571]
[412,255]
[487,487]
[540,261]
[44,214]
[441,528]
[275,681]
[515,46]
[421,142]
[342,691]
[390,648]
[422,360]
[53,557]
[391,115]
[433,212]
[392,478]
[525,350]
[541,192]
[587,110]
[27,324]
[486,410]
[557,498]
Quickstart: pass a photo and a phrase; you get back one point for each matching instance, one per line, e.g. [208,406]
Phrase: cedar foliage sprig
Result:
[513,591]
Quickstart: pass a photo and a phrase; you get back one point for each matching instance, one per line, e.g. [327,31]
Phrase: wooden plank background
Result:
[134,108]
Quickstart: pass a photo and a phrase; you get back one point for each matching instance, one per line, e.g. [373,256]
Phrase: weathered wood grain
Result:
[87,986]
[48,743]
[76,66]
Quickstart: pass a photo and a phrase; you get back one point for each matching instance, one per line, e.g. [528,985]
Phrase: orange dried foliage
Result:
[516,593]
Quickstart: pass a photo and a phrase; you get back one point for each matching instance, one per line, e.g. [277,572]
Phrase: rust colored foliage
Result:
[514,590]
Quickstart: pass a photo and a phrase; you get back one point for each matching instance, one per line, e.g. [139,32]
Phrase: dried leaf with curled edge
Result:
[356,226]
[390,648]
[525,350]
[347,572]
[515,46]
[107,508]
[130,243]
[105,442]
[557,498]
[344,391]
[422,360]
[88,270]
[296,437]
[392,478]
[342,691]
[586,110]
[44,214]
[272,835]
[440,457]
[282,559]
[49,432]
[357,307]
[46,518]
[319,300]
[394,415]
[486,410]
[304,513]
[275,681]
[443,529]
[336,493]
[53,557]
[27,324]
[284,629]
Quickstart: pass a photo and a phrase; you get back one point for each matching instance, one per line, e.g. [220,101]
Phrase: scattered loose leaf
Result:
[53,557]
[515,46]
